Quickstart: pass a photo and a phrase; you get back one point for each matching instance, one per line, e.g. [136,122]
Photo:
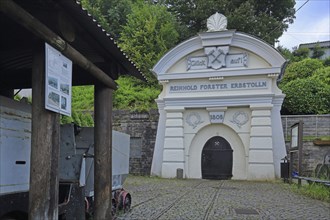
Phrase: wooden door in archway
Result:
[217,159]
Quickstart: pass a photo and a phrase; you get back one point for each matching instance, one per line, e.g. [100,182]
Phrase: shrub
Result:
[306,96]
[322,74]
[301,69]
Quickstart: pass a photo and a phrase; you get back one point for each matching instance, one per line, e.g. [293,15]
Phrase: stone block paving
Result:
[156,198]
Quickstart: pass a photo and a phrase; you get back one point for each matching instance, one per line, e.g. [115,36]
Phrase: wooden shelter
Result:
[96,59]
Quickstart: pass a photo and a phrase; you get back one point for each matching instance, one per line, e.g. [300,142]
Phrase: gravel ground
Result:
[156,198]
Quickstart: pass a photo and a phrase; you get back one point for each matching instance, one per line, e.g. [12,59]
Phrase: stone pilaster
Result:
[278,135]
[173,151]
[261,160]
[156,166]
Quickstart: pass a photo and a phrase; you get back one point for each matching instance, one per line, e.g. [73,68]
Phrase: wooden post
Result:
[43,195]
[300,150]
[102,152]
[290,166]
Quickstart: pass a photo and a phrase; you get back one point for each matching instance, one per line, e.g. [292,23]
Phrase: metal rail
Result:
[215,196]
[160,214]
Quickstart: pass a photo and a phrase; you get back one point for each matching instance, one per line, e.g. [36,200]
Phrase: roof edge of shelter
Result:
[76,10]
[230,38]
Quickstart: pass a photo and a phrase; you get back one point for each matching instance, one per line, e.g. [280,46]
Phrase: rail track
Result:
[174,199]
[214,198]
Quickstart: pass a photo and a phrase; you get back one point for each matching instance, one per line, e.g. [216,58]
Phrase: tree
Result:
[263,18]
[285,52]
[111,14]
[97,8]
[148,34]
[300,53]
[318,52]
[117,15]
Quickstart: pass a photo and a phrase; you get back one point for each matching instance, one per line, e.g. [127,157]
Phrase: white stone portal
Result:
[220,84]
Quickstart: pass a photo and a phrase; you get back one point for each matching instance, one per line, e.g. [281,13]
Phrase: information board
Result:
[58,81]
[294,136]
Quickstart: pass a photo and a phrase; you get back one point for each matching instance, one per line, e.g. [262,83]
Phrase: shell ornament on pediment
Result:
[217,22]
[194,119]
[240,119]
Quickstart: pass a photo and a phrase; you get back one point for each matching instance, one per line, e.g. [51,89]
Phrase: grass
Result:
[310,138]
[315,191]
[325,138]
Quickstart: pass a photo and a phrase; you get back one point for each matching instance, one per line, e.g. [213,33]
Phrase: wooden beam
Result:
[102,152]
[45,145]
[25,19]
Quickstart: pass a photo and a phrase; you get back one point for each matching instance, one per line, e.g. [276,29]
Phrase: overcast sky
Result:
[312,24]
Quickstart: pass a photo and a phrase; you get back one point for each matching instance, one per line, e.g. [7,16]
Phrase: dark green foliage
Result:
[111,14]
[148,34]
[322,74]
[318,52]
[97,9]
[306,96]
[326,62]
[263,18]
[301,69]
[300,54]
[307,87]
[285,52]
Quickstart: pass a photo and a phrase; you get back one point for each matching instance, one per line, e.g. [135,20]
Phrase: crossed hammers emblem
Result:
[216,56]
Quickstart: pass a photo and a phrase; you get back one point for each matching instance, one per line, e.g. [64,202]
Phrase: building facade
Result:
[219,111]
[324,45]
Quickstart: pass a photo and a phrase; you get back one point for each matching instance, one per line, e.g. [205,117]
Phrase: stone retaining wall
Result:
[314,126]
[142,127]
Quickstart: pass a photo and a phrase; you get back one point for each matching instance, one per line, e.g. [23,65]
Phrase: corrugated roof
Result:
[91,40]
[115,46]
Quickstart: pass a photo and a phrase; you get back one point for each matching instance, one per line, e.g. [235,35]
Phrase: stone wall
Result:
[315,126]
[142,127]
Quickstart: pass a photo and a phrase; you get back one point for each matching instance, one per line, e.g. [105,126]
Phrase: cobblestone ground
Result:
[155,198]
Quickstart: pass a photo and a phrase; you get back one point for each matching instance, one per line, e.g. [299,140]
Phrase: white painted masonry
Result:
[238,101]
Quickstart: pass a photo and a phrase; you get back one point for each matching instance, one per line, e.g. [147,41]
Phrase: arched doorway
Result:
[217,159]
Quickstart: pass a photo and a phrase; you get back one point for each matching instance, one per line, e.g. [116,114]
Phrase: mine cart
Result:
[76,166]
